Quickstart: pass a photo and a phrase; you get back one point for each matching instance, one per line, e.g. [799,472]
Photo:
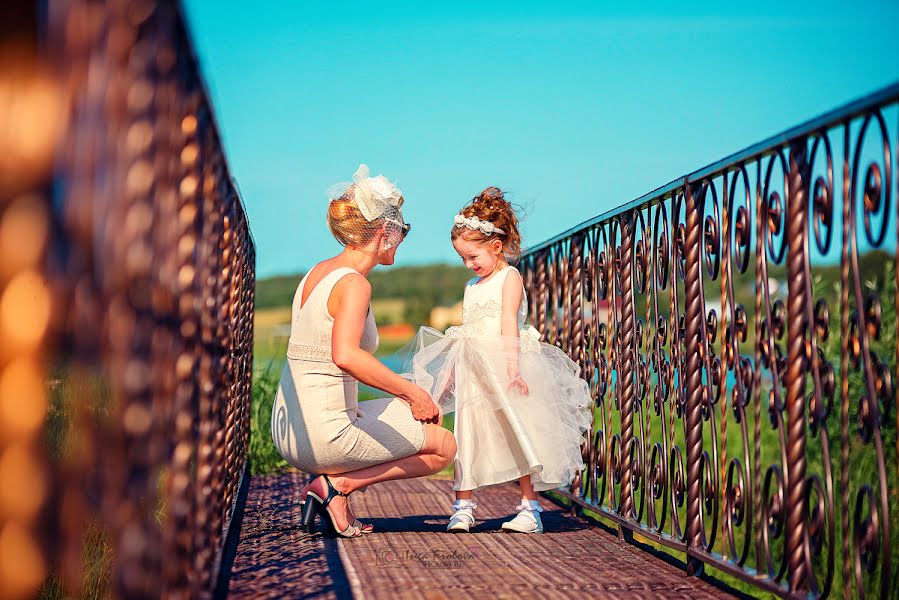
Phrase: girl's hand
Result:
[515,380]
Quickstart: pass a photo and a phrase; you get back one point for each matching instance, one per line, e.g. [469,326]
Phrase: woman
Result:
[318,424]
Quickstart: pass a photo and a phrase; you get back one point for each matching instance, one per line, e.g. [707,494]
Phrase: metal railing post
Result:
[694,344]
[796,500]
[627,374]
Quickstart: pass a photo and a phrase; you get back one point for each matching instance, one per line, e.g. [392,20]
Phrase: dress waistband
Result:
[307,352]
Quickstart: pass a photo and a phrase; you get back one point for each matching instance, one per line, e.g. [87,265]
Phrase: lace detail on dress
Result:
[529,338]
[307,352]
[483,310]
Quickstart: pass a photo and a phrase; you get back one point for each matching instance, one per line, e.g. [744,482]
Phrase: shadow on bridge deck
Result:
[411,556]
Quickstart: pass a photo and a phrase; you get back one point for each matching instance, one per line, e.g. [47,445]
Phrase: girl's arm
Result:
[512,295]
[349,303]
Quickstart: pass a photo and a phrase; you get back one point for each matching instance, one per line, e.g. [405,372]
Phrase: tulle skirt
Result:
[503,433]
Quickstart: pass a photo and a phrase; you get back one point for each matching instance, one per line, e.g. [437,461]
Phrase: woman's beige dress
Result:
[318,424]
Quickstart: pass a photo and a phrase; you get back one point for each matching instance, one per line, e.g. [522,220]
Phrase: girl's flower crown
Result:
[485,227]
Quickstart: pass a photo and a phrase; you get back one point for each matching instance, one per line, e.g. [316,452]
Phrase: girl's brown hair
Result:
[491,205]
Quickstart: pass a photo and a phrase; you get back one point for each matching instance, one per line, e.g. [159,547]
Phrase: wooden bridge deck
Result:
[411,556]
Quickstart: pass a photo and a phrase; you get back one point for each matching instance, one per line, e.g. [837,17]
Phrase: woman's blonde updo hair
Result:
[346,222]
[491,205]
[361,211]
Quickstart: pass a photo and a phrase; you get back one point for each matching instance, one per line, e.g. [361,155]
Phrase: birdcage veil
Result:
[362,210]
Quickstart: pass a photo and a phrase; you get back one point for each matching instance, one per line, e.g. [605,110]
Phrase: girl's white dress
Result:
[502,435]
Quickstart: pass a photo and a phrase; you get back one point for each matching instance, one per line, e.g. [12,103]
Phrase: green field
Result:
[399,294]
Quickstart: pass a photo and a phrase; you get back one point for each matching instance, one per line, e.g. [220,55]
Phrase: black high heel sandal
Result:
[317,505]
[308,518]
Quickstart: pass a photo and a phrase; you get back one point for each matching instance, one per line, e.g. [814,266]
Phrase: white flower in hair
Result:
[374,194]
[475,223]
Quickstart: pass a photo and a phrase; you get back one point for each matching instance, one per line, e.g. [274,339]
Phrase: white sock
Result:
[531,505]
[464,503]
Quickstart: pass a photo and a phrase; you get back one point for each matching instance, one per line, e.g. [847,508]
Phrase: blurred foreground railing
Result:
[126,297]
[738,330]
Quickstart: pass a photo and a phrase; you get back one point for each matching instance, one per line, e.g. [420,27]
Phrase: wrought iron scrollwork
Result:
[716,412]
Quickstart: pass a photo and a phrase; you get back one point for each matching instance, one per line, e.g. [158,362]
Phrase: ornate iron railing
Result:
[742,360]
[127,290]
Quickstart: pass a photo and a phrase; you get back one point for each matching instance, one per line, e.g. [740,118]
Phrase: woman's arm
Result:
[512,295]
[349,304]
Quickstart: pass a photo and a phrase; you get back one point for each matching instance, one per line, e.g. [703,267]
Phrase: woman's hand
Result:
[423,408]
[351,298]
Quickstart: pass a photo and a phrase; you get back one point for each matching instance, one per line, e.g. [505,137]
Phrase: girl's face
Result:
[480,257]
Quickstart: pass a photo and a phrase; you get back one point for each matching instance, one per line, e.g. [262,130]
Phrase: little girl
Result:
[521,408]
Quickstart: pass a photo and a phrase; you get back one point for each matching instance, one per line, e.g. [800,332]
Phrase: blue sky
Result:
[573,107]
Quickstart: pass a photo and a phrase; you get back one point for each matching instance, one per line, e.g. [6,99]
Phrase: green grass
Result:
[67,434]
[63,437]
[96,570]
[263,456]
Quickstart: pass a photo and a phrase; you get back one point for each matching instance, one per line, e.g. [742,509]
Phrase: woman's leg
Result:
[435,455]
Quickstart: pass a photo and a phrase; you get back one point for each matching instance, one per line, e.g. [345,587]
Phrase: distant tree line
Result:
[420,287]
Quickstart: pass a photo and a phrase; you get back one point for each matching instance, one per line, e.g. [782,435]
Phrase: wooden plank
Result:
[275,558]
[411,555]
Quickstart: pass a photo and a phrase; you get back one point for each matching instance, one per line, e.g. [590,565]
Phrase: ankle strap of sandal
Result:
[336,491]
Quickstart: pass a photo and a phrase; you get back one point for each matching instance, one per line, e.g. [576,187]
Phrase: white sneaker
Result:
[463,518]
[528,518]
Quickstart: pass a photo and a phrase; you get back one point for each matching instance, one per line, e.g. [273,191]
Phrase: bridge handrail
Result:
[652,300]
[133,282]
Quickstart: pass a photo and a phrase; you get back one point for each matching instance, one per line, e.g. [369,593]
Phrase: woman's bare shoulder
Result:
[352,285]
